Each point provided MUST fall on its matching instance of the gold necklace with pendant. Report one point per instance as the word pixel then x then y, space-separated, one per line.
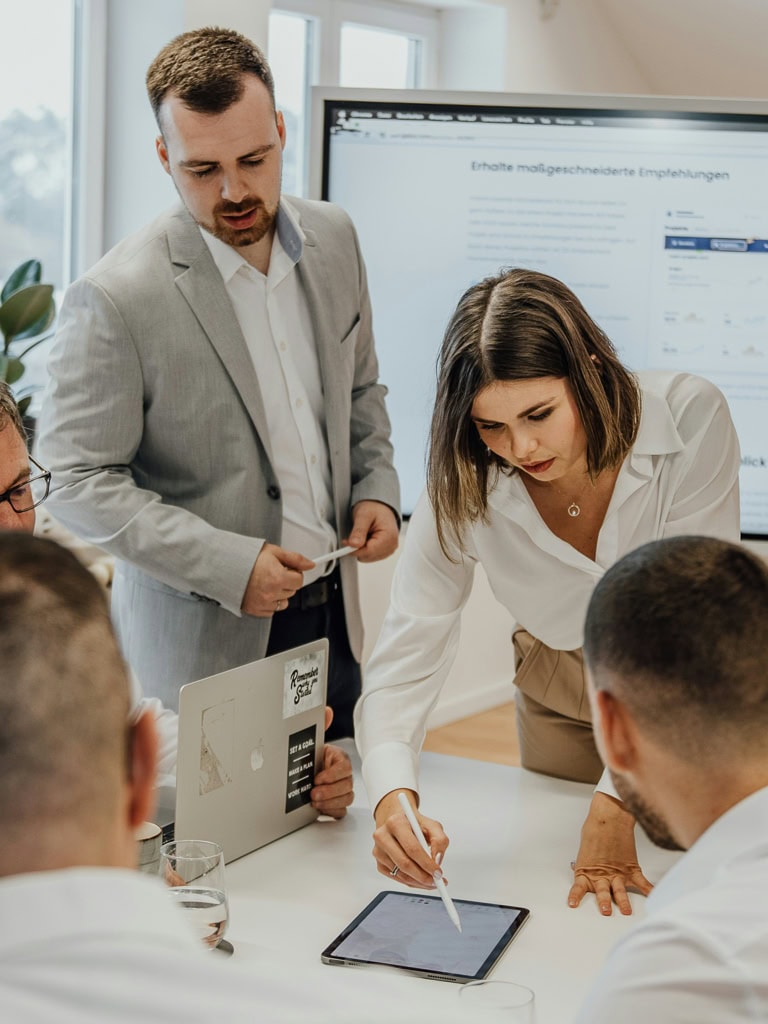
pixel 574 509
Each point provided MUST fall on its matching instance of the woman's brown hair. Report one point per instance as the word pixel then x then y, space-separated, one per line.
pixel 519 325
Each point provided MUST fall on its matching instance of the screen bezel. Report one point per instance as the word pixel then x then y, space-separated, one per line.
pixel 493 957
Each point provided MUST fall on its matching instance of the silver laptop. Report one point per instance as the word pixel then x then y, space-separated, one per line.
pixel 250 744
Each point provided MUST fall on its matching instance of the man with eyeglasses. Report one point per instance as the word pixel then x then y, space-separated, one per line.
pixel 23 481
pixel 25 485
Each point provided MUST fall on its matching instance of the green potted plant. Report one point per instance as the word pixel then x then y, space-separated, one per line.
pixel 27 310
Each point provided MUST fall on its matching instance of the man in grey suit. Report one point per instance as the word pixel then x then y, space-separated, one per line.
pixel 215 418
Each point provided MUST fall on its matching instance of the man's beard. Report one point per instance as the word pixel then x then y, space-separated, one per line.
pixel 651 823
pixel 240 237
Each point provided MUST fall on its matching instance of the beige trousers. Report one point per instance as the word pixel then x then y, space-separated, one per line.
pixel 554 723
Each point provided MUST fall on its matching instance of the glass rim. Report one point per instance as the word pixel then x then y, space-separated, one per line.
pixel 170 849
pixel 501 984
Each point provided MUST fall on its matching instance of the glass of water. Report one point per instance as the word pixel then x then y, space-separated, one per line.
pixel 194 871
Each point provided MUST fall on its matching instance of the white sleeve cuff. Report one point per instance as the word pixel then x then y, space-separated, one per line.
pixel 390 766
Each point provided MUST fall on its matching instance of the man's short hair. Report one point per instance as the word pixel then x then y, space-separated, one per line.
pixel 205 69
pixel 678 630
pixel 9 411
pixel 64 695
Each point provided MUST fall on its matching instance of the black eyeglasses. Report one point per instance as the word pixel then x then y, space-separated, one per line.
pixel 28 495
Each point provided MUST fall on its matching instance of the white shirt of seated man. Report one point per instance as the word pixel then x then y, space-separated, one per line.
pixel 679 698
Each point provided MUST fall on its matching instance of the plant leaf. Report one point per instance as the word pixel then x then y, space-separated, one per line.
pixel 25 274
pixel 23 404
pixel 14 370
pixel 24 308
pixel 4 360
pixel 38 326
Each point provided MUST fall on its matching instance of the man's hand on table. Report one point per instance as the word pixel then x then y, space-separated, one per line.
pixel 606 863
pixel 395 845
pixel 333 790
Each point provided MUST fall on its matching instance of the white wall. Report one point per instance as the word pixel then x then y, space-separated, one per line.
pixel 473 48
pixel 695 47
pixel 574 50
pixel 657 47
pixel 251 17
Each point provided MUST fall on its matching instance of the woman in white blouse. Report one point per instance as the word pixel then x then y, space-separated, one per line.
pixel 547 462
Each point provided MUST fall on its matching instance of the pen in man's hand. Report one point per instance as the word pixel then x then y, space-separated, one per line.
pixel 338 553
pixel 441 887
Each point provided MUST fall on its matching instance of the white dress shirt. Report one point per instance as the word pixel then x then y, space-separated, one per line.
pixel 167 726
pixel 272 312
pixel 106 946
pixel 681 477
pixel 701 954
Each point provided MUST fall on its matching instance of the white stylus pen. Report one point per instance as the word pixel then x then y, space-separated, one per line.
pixel 441 886
pixel 339 553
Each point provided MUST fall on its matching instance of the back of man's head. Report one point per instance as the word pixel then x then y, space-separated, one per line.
pixel 205 69
pixel 678 631
pixel 64 704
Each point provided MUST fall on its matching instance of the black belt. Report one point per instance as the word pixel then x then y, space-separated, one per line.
pixel 315 594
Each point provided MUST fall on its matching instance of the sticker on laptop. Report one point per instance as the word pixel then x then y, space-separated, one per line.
pixel 302 683
pixel 301 768
pixel 217 746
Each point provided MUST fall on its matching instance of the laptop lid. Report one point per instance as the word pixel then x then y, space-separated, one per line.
pixel 250 744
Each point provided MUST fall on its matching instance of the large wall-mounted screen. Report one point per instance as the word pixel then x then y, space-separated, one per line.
pixel 655 212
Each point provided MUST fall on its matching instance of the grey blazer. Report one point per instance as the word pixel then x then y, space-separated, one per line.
pixel 155 431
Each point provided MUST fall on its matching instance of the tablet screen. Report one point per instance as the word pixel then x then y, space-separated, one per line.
pixel 413 932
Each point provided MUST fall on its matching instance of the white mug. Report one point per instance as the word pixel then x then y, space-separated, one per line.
pixel 149 838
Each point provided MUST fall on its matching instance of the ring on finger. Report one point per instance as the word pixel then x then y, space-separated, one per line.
pixel 394 871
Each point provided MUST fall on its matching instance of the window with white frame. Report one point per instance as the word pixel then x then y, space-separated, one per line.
pixel 51 158
pixel 341 42
pixel 36 74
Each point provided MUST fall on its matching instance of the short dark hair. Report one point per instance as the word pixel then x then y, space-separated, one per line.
pixel 520 325
pixel 64 697
pixel 678 629
pixel 205 69
pixel 9 411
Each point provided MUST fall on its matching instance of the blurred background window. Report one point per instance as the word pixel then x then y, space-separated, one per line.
pixel 376 58
pixel 36 87
pixel 292 53
pixel 341 42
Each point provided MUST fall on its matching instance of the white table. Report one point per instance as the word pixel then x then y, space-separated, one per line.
pixel 513 836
